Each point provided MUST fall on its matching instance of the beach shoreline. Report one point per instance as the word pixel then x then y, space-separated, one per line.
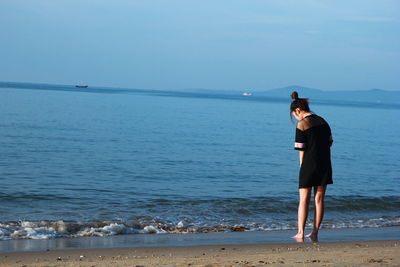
pixel 197 239
pixel 337 247
pixel 349 253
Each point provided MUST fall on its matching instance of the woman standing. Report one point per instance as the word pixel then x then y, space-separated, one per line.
pixel 313 140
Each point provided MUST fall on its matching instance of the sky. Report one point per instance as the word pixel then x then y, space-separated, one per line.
pixel 212 44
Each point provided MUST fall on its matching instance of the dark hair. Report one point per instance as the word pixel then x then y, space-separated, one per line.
pixel 301 103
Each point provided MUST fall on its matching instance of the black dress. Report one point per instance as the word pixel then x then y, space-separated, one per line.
pixel 313 136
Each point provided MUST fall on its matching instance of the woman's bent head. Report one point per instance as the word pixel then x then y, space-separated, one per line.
pixel 298 105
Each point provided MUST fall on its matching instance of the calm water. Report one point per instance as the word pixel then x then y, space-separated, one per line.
pixel 84 164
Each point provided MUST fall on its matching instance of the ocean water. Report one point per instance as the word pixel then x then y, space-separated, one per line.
pixel 78 163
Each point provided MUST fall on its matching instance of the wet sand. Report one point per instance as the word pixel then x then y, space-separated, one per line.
pixel 364 253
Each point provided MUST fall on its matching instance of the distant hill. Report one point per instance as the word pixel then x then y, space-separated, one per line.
pixel 286 91
pixel 374 96
pixel 377 97
pixel 370 96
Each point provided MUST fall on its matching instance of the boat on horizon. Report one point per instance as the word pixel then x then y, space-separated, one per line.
pixel 247 94
pixel 81 86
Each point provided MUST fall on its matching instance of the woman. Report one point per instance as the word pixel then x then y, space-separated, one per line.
pixel 313 140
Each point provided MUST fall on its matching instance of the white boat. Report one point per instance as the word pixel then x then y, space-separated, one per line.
pixel 247 94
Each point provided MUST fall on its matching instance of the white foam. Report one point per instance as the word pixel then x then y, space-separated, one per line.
pixel 182 224
pixel 28 224
pixel 35 233
pixel 61 226
pixel 55 229
pixel 117 229
pixel 112 229
pixel 4 232
pixel 150 229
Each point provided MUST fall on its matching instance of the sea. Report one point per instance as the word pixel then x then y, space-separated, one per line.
pixel 97 163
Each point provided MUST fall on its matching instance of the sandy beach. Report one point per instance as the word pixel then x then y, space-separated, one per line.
pixel 365 253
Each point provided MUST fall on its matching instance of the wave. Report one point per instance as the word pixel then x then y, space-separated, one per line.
pixel 70 229
pixel 363 203
pixel 277 204
pixel 188 215
pixel 27 197
pixel 280 204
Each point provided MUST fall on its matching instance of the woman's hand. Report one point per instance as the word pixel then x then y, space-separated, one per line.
pixel 301 156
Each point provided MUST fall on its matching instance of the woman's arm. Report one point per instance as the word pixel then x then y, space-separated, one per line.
pixel 301 156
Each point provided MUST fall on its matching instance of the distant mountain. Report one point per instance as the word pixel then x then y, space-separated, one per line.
pixel 373 96
pixel 370 96
pixel 285 92
pixel 376 97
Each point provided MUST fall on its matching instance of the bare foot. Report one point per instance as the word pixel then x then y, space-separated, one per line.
pixel 313 236
pixel 299 238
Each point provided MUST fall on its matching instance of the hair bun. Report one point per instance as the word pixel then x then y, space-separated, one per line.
pixel 294 95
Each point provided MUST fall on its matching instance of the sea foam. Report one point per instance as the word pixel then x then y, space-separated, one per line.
pixel 56 229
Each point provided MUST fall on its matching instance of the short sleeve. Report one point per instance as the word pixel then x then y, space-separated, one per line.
pixel 300 140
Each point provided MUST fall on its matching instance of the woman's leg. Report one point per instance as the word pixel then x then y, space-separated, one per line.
pixel 304 202
pixel 319 197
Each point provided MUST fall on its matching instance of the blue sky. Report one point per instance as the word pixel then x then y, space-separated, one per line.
pixel 219 44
